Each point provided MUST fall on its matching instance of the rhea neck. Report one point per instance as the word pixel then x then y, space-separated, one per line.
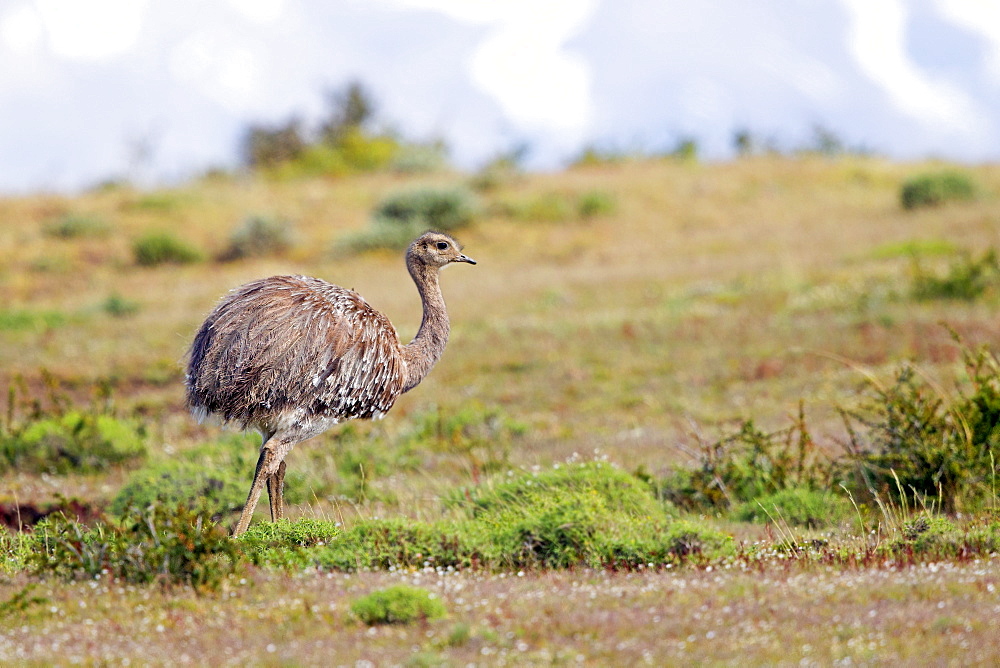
pixel 425 349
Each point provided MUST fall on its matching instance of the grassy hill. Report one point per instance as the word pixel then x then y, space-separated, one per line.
pixel 635 312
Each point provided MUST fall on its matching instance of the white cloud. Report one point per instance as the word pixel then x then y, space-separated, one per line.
pixel 876 41
pixel 218 66
pixel 979 17
pixel 92 30
pixel 21 30
pixel 523 63
pixel 260 11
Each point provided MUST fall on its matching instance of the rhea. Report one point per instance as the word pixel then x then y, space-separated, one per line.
pixel 291 356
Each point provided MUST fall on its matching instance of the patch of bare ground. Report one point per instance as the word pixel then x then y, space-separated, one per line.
pixel 930 614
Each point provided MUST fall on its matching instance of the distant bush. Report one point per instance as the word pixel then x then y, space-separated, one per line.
pixel 402 216
pixel 500 170
pixel 967 279
pixel 440 209
pixel 269 146
pixel 596 156
pixel 398 604
pixel 595 203
pixel 935 189
pixel 171 546
pixel 75 441
pixel 686 149
pixel 74 226
pixel 258 236
pixel 19 320
pixel 554 207
pixel 119 307
pixel 163 248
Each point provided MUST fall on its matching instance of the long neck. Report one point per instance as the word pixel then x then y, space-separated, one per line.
pixel 425 349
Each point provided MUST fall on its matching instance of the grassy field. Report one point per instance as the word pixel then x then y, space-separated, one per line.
pixel 697 296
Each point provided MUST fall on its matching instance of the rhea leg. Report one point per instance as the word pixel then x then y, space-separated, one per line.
pixel 267 464
pixel 276 492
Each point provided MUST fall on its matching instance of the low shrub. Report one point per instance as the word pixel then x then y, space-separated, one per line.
pixel 590 514
pixel 354 151
pixel 163 248
pixel 381 544
pixel 192 484
pixel 20 320
pixel 919 442
pixel 258 236
pixel 798 507
pixel 119 307
pixel 171 546
pixel 75 226
pixel 937 188
pixel 398 604
pixel 748 465
pixel 79 442
pixel 304 532
pixel 967 279
pixel 440 209
pixel 286 544
pixel 577 515
pixel 400 217
pixel 214 478
pixel 622 491
pixel 595 203
pixel 928 535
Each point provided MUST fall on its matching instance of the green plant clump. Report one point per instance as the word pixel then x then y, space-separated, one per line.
pixel 588 514
pixel 163 248
pixel 799 507
pixel 214 478
pixel 399 604
pixel 181 482
pixel 919 442
pixel 75 226
pixel 175 546
pixel 258 236
pixel 119 307
pixel 401 217
pixel 72 442
pixel 934 189
pixel 967 279
pixel 748 465
pixel 440 209
pixel 595 203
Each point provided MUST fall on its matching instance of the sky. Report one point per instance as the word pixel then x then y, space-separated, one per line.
pixel 160 91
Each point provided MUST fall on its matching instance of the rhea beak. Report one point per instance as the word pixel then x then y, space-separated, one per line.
pixel 465 258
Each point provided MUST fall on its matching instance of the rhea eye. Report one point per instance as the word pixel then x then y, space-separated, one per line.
pixel 442 245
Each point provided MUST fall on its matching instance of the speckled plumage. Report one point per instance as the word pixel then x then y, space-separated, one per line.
pixel 291 356
pixel 294 352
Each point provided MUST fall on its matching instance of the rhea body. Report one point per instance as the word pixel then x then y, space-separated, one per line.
pixel 291 356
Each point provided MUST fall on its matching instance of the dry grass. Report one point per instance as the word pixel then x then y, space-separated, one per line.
pixel 710 293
